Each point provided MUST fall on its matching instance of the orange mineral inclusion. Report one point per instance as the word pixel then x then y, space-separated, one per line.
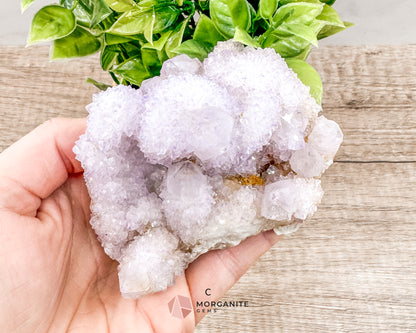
pixel 250 180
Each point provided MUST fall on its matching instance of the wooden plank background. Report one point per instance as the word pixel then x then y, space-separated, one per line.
pixel 352 268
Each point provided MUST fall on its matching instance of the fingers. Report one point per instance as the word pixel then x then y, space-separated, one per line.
pixel 160 311
pixel 40 162
pixel 219 270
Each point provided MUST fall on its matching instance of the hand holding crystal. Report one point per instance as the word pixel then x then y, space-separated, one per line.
pixel 55 276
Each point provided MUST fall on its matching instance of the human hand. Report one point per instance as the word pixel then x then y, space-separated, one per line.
pixel 55 276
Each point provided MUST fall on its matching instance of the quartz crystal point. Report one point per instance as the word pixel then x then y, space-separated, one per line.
pixel 200 158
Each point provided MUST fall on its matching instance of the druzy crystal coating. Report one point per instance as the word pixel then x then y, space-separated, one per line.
pixel 201 157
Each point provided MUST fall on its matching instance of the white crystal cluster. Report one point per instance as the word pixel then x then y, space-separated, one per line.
pixel 200 158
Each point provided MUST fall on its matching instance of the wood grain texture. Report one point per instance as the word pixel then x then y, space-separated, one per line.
pixel 371 91
pixel 352 268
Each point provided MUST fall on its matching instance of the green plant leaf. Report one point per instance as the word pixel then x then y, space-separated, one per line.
pixel 206 31
pixel 139 35
pixel 69 4
pixel 300 30
pixel 137 21
pixel 24 4
pixel 151 61
pixel 309 77
pixel 148 29
pixel 269 36
pixel 267 8
pixel 302 12
pixel 328 2
pixel 130 50
pixel 175 39
pixel 330 30
pixel 50 23
pixel 290 47
pixel 160 43
pixel 133 71
pixel 79 43
pixel 100 85
pixel 330 16
pixel 243 36
pixel 194 49
pixel 121 6
pixel 132 22
pixel 83 16
pixel 162 56
pixel 165 17
pixel 285 2
pixel 304 54
pixel 294 30
pixel 109 56
pixel 111 39
pixel 100 12
pixel 229 14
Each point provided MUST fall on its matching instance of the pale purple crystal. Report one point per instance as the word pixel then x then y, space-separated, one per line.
pixel 199 158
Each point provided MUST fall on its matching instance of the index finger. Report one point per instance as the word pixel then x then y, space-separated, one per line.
pixel 40 162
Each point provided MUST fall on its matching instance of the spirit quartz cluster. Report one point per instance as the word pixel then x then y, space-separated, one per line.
pixel 200 158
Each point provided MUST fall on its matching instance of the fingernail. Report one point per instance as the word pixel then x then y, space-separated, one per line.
pixel 287 229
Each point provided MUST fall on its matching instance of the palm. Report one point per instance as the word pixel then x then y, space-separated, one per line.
pixel 76 283
pixel 55 275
